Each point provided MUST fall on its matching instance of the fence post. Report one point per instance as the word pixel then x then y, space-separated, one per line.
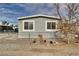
pixel 29 40
pixel 17 35
pixel 29 36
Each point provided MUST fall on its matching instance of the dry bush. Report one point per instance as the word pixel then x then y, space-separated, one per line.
pixel 68 32
pixel 40 37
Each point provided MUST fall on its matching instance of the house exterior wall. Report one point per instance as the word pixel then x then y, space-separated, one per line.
pixel 40 28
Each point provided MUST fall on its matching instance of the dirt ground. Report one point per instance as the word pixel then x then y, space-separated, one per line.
pixel 10 45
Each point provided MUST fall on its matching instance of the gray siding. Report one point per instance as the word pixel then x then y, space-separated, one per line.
pixel 39 29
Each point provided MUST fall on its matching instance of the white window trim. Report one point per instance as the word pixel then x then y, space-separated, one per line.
pixel 51 29
pixel 29 21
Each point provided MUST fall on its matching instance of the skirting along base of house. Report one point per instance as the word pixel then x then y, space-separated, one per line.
pixel 48 35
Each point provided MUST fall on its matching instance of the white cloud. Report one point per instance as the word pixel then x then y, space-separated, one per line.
pixel 32 8
pixel 6 10
pixel 38 8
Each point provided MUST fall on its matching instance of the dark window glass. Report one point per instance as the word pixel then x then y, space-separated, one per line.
pixel 51 25
pixel 25 25
pixel 28 25
pixel 48 25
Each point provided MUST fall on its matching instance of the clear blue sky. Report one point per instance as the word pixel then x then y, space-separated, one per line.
pixel 11 11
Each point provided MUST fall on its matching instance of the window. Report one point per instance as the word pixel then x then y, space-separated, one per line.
pixel 50 25
pixel 28 25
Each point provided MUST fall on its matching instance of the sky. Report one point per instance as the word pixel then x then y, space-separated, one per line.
pixel 12 11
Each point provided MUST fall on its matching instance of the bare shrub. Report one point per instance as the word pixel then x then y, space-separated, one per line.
pixel 40 37
pixel 44 41
pixel 51 42
pixel 68 29
pixel 68 32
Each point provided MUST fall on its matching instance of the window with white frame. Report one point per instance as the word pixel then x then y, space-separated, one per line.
pixel 51 25
pixel 28 25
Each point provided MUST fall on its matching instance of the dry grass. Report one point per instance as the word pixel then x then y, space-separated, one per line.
pixel 10 45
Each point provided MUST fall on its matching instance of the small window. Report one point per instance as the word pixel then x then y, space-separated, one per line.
pixel 28 25
pixel 51 25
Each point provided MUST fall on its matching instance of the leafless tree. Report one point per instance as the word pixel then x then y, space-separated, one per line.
pixel 72 10
pixel 72 13
pixel 57 8
pixel 5 23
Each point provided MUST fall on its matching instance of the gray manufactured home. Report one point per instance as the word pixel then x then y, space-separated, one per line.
pixel 32 26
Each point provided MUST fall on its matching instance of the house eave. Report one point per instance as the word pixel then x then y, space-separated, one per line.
pixel 37 16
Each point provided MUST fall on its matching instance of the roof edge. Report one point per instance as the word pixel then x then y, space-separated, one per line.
pixel 39 15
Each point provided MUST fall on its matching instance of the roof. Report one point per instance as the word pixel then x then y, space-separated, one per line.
pixel 5 25
pixel 37 16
